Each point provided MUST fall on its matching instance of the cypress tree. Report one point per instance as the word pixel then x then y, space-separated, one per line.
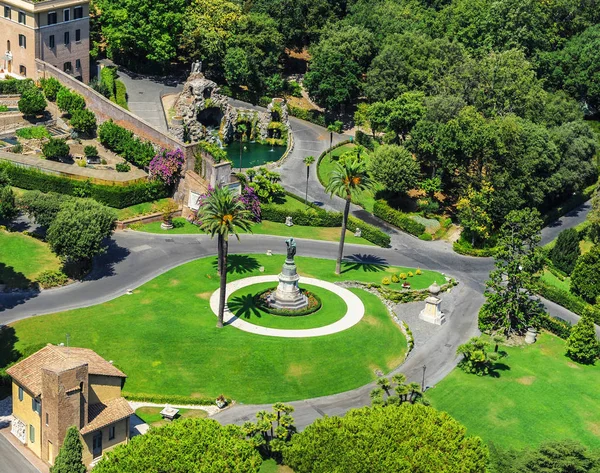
pixel 582 344
pixel 566 251
pixel 68 459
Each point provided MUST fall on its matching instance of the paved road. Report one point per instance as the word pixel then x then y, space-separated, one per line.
pixel 11 460
pixel 569 220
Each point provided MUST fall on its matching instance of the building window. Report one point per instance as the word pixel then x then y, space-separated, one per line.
pixel 46 418
pixel 67 67
pixel 51 42
pixel 52 20
pixel 36 405
pixel 66 14
pixel 77 35
pixel 77 13
pixel 20 393
pixel 23 70
pixel 22 41
pixel 31 434
pixel 7 12
pixel 77 64
pixel 67 38
pixel 111 432
pixel 21 17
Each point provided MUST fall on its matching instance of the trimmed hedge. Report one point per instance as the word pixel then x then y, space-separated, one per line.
pixel 558 327
pixel 567 300
pixel 313 116
pixel 15 86
pixel 465 250
pixel 172 399
pixel 369 232
pixel 124 143
pixel 382 210
pixel 113 196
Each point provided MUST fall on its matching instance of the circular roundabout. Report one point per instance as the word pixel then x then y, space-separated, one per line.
pixel 236 308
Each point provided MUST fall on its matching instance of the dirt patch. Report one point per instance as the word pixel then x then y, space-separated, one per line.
pixel 593 427
pixel 197 395
pixel 526 380
pixel 295 370
pixel 146 301
pixel 573 365
pixel 204 295
pixel 173 282
pixel 372 321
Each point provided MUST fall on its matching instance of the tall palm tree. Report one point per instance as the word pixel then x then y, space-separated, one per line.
pixel 222 214
pixel 308 161
pixel 349 177
pixel 241 129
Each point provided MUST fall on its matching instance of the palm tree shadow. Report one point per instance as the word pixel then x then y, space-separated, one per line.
pixel 243 307
pixel 239 264
pixel 496 368
pixel 365 263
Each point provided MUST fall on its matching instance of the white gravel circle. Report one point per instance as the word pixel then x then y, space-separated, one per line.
pixel 355 312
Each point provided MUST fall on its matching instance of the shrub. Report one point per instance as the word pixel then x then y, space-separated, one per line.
pixel 566 299
pixel 51 87
pixel 81 163
pixel 90 151
pixel 385 281
pixel 582 344
pixel 69 102
pixel 114 196
pixel 364 140
pixel 33 133
pixel 410 274
pixel 382 210
pixel 425 237
pixel 32 102
pixel 585 280
pixel 558 327
pixel 122 167
pixel 167 165
pixel 15 86
pixel 403 276
pixel 55 149
pixel 395 279
pixel 369 232
pixel 3 108
pixel 266 189
pixel 108 76
pixel 476 358
pixel 83 121
pixel 8 206
pixel 463 247
pixel 121 141
pixel 313 116
pixel 219 155
pixel 418 272
pixel 565 252
pixel 121 94
pixel 52 278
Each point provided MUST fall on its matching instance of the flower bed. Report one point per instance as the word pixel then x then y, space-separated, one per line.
pixel 261 300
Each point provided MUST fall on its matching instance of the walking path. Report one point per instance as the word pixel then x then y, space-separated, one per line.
pixel 354 314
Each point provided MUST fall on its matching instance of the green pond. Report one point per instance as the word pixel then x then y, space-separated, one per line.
pixel 253 154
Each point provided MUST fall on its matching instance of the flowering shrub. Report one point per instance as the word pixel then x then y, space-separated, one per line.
pixel 167 165
pixel 248 197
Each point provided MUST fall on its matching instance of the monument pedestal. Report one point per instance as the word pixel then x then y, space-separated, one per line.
pixel 432 312
pixel 288 295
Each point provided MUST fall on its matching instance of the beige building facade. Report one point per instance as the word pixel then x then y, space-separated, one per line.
pixel 55 31
pixel 59 387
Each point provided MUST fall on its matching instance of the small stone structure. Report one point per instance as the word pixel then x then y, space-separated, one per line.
pixel 432 312
pixel 531 336
pixel 288 295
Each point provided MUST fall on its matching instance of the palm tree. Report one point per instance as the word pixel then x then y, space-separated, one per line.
pixel 384 384
pixel 331 128
pixel 241 128
pixel 349 177
pixel 221 214
pixel 308 161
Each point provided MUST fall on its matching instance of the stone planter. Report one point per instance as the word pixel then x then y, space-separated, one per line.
pixel 166 225
pixel 531 336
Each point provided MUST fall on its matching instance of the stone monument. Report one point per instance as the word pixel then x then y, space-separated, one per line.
pixel 288 295
pixel 432 312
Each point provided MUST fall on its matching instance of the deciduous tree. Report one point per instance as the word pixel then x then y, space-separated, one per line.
pixel 585 279
pixel 395 168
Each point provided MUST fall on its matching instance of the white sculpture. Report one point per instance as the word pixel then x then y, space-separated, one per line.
pixel 432 312
pixel 288 221
pixel 358 233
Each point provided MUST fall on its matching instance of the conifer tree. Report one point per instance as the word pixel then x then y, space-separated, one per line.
pixel 583 345
pixel 69 459
pixel 566 251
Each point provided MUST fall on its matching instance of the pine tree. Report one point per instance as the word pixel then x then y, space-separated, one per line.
pixel 566 251
pixel 582 344
pixel 68 459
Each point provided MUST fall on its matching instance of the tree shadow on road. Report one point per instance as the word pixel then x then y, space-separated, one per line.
pixel 104 265
pixel 365 263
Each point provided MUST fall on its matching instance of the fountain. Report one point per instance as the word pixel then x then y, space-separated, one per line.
pixel 288 295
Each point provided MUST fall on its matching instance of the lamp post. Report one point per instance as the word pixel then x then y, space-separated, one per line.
pixel 423 381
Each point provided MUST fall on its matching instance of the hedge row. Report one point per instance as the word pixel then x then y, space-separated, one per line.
pixel 326 153
pixel 114 196
pixel 14 86
pixel 382 210
pixel 558 327
pixel 313 116
pixel 463 249
pixel 124 143
pixel 567 300
pixel 172 399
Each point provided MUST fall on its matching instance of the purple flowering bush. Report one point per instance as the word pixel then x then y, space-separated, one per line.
pixel 167 165
pixel 248 197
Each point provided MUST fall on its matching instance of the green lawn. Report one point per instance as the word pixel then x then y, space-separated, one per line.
pixel 182 226
pixel 241 303
pixel 541 395
pixel 151 415
pixel 552 280
pixel 164 337
pixel 23 258
pixel 144 208
pixel 327 165
pixel 271 466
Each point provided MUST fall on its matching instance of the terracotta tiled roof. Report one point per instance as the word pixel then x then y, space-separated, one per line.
pixel 101 415
pixel 28 372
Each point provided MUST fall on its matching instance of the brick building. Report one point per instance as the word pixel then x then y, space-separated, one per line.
pixel 55 31
pixel 58 387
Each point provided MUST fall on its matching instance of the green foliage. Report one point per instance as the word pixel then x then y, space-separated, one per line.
pixel 382 210
pixel 33 133
pixel 395 168
pixel 52 278
pixel 381 439
pixel 79 229
pixel 56 148
pixel 476 357
pixel 122 167
pixel 69 458
pixel 69 102
pixel 108 76
pixel 8 206
pixel 398 115
pixel 90 151
pixel 114 196
pixel 121 94
pixel 121 141
pixel 32 102
pixel 566 299
pixel 463 247
pixel 560 328
pixel 565 252
pixel 266 189
pixel 509 307
pixel 15 86
pixel 313 116
pixel 582 344
pixel 585 280
pixel 51 87
pixel 272 430
pixel 199 445
pixel 83 121
pixel 219 155
pixel 42 208
pixel 473 213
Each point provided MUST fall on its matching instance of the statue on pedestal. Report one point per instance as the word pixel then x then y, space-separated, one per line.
pixel 291 248
pixel 288 294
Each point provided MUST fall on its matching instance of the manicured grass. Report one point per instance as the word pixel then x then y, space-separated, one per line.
pixel 23 258
pixel 151 415
pixel 144 208
pixel 241 303
pixel 271 466
pixel 541 395
pixel 552 280
pixel 164 338
pixel 182 226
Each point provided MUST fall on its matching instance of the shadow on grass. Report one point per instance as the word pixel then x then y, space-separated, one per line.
pixel 244 307
pixel 13 279
pixel 365 263
pixel 497 368
pixel 239 264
